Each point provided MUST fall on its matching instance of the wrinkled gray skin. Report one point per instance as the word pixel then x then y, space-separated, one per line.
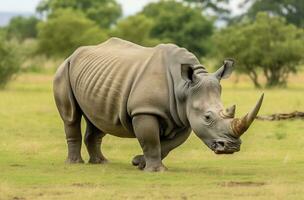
pixel 159 105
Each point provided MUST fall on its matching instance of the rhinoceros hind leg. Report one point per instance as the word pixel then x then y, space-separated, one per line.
pixel 160 168
pixel 69 111
pixel 93 139
pixel 73 135
pixel 139 161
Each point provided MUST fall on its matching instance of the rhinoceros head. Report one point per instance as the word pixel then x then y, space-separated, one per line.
pixel 211 122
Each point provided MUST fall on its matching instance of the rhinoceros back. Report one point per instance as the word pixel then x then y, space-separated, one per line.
pixel 102 78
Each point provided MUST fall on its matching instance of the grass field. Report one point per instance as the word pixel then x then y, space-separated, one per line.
pixel 270 164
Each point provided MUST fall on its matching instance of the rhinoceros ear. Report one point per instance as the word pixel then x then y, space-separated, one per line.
pixel 187 72
pixel 226 70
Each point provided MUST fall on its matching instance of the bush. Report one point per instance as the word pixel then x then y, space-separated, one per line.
pixel 40 64
pixel 9 64
pixel 65 30
pixel 22 27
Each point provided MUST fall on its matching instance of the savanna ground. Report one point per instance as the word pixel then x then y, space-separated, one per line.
pixel 270 164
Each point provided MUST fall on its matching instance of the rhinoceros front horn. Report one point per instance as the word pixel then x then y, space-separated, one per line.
pixel 239 126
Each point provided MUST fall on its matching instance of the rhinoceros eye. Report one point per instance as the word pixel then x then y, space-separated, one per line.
pixel 208 118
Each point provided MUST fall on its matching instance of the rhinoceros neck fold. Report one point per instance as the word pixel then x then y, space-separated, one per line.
pixel 176 109
pixel 176 57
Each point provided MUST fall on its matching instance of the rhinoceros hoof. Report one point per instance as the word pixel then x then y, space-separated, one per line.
pixel 160 168
pixel 74 160
pixel 139 161
pixel 98 160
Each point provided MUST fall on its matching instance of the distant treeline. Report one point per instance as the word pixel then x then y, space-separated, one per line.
pixel 267 40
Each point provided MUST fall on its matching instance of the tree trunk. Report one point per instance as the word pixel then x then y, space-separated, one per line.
pixel 254 78
pixel 275 77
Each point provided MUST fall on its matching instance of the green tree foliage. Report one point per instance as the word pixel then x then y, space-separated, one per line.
pixel 267 45
pixel 103 12
pixel 180 24
pixel 136 29
pixel 65 30
pixel 9 64
pixel 215 6
pixel 22 27
pixel 291 10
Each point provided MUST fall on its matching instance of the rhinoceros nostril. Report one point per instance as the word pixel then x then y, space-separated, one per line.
pixel 220 144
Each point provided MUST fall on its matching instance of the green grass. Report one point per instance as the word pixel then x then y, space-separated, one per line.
pixel 32 152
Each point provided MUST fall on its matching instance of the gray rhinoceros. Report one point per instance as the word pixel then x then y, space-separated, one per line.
pixel 157 95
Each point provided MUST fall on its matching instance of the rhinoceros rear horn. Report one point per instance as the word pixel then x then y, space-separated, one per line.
pixel 240 126
pixel 229 112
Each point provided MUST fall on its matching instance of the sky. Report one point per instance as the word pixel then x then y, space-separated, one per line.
pixel 17 6
pixel 129 6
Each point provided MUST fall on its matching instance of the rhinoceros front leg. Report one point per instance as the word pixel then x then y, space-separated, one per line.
pixel 167 145
pixel 146 128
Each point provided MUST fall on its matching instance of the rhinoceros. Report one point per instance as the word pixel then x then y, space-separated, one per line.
pixel 157 95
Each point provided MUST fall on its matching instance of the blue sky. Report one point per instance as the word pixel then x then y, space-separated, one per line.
pixel 129 6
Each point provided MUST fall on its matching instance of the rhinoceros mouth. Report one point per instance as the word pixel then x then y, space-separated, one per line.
pixel 225 147
pixel 225 151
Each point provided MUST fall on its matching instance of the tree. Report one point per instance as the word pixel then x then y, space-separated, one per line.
pixel 291 10
pixel 103 12
pixel 9 64
pixel 267 45
pixel 136 29
pixel 65 30
pixel 180 24
pixel 216 6
pixel 22 27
